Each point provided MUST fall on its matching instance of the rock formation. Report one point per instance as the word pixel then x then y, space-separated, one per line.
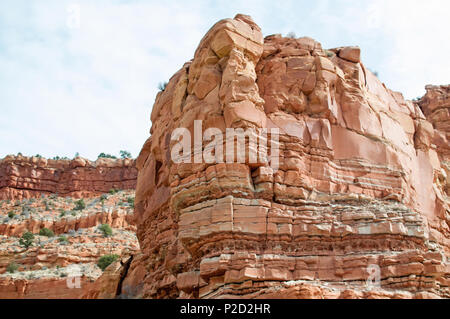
pixel 63 265
pixel 27 177
pixel 361 187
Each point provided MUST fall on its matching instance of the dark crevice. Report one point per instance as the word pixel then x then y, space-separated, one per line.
pixel 123 275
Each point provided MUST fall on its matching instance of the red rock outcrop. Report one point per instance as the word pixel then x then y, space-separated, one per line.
pixel 45 269
pixel 28 177
pixel 358 183
pixel 436 107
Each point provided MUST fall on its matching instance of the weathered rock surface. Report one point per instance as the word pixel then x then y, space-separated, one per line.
pixel 436 107
pixel 361 180
pixel 64 265
pixel 28 177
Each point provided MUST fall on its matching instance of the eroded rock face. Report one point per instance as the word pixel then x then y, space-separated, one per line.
pixel 358 184
pixel 64 264
pixel 30 177
pixel 436 106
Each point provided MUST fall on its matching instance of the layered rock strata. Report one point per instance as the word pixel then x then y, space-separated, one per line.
pixel 359 184
pixel 436 107
pixel 64 265
pixel 30 177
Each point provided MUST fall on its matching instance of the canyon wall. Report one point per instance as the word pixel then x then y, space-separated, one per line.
pixel 361 188
pixel 30 177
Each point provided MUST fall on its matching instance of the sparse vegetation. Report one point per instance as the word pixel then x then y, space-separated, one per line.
pixel 125 154
pixel 63 239
pixel 12 267
pixel 105 229
pixel 113 191
pixel 11 214
pixel 26 240
pixel 46 232
pixel 291 35
pixel 329 53
pixel 106 260
pixel 162 86
pixel 103 155
pixel 80 204
pixel 130 201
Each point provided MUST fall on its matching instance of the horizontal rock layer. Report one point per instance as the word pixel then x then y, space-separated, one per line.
pixel 65 265
pixel 30 177
pixel 361 181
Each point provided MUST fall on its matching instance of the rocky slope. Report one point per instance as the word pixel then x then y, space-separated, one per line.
pixel 64 265
pixel 29 177
pixel 361 182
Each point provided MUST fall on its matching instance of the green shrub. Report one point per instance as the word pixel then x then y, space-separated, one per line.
pixel 162 86
pixel 125 154
pixel 63 239
pixel 291 35
pixel 46 232
pixel 329 53
pixel 62 213
pixel 11 214
pixel 106 260
pixel 12 267
pixel 103 155
pixel 113 191
pixel 27 239
pixel 105 229
pixel 130 201
pixel 80 204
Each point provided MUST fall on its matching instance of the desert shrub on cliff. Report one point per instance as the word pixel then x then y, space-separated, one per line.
pixel 80 204
pixel 125 154
pixel 26 240
pixel 11 214
pixel 113 191
pixel 12 267
pixel 162 86
pixel 63 239
pixel 329 53
pixel 103 155
pixel 46 232
pixel 105 229
pixel 291 35
pixel 106 260
pixel 130 201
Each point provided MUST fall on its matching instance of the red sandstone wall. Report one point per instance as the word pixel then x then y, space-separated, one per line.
pixel 26 177
pixel 358 184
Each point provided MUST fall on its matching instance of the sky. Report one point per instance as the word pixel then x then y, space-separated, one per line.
pixel 82 76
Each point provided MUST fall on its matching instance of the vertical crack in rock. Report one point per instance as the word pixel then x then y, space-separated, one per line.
pixel 123 275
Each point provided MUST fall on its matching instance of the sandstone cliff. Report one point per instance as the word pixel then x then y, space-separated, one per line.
pixel 27 177
pixel 361 182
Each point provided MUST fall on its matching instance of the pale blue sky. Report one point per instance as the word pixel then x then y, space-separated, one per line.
pixel 91 89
